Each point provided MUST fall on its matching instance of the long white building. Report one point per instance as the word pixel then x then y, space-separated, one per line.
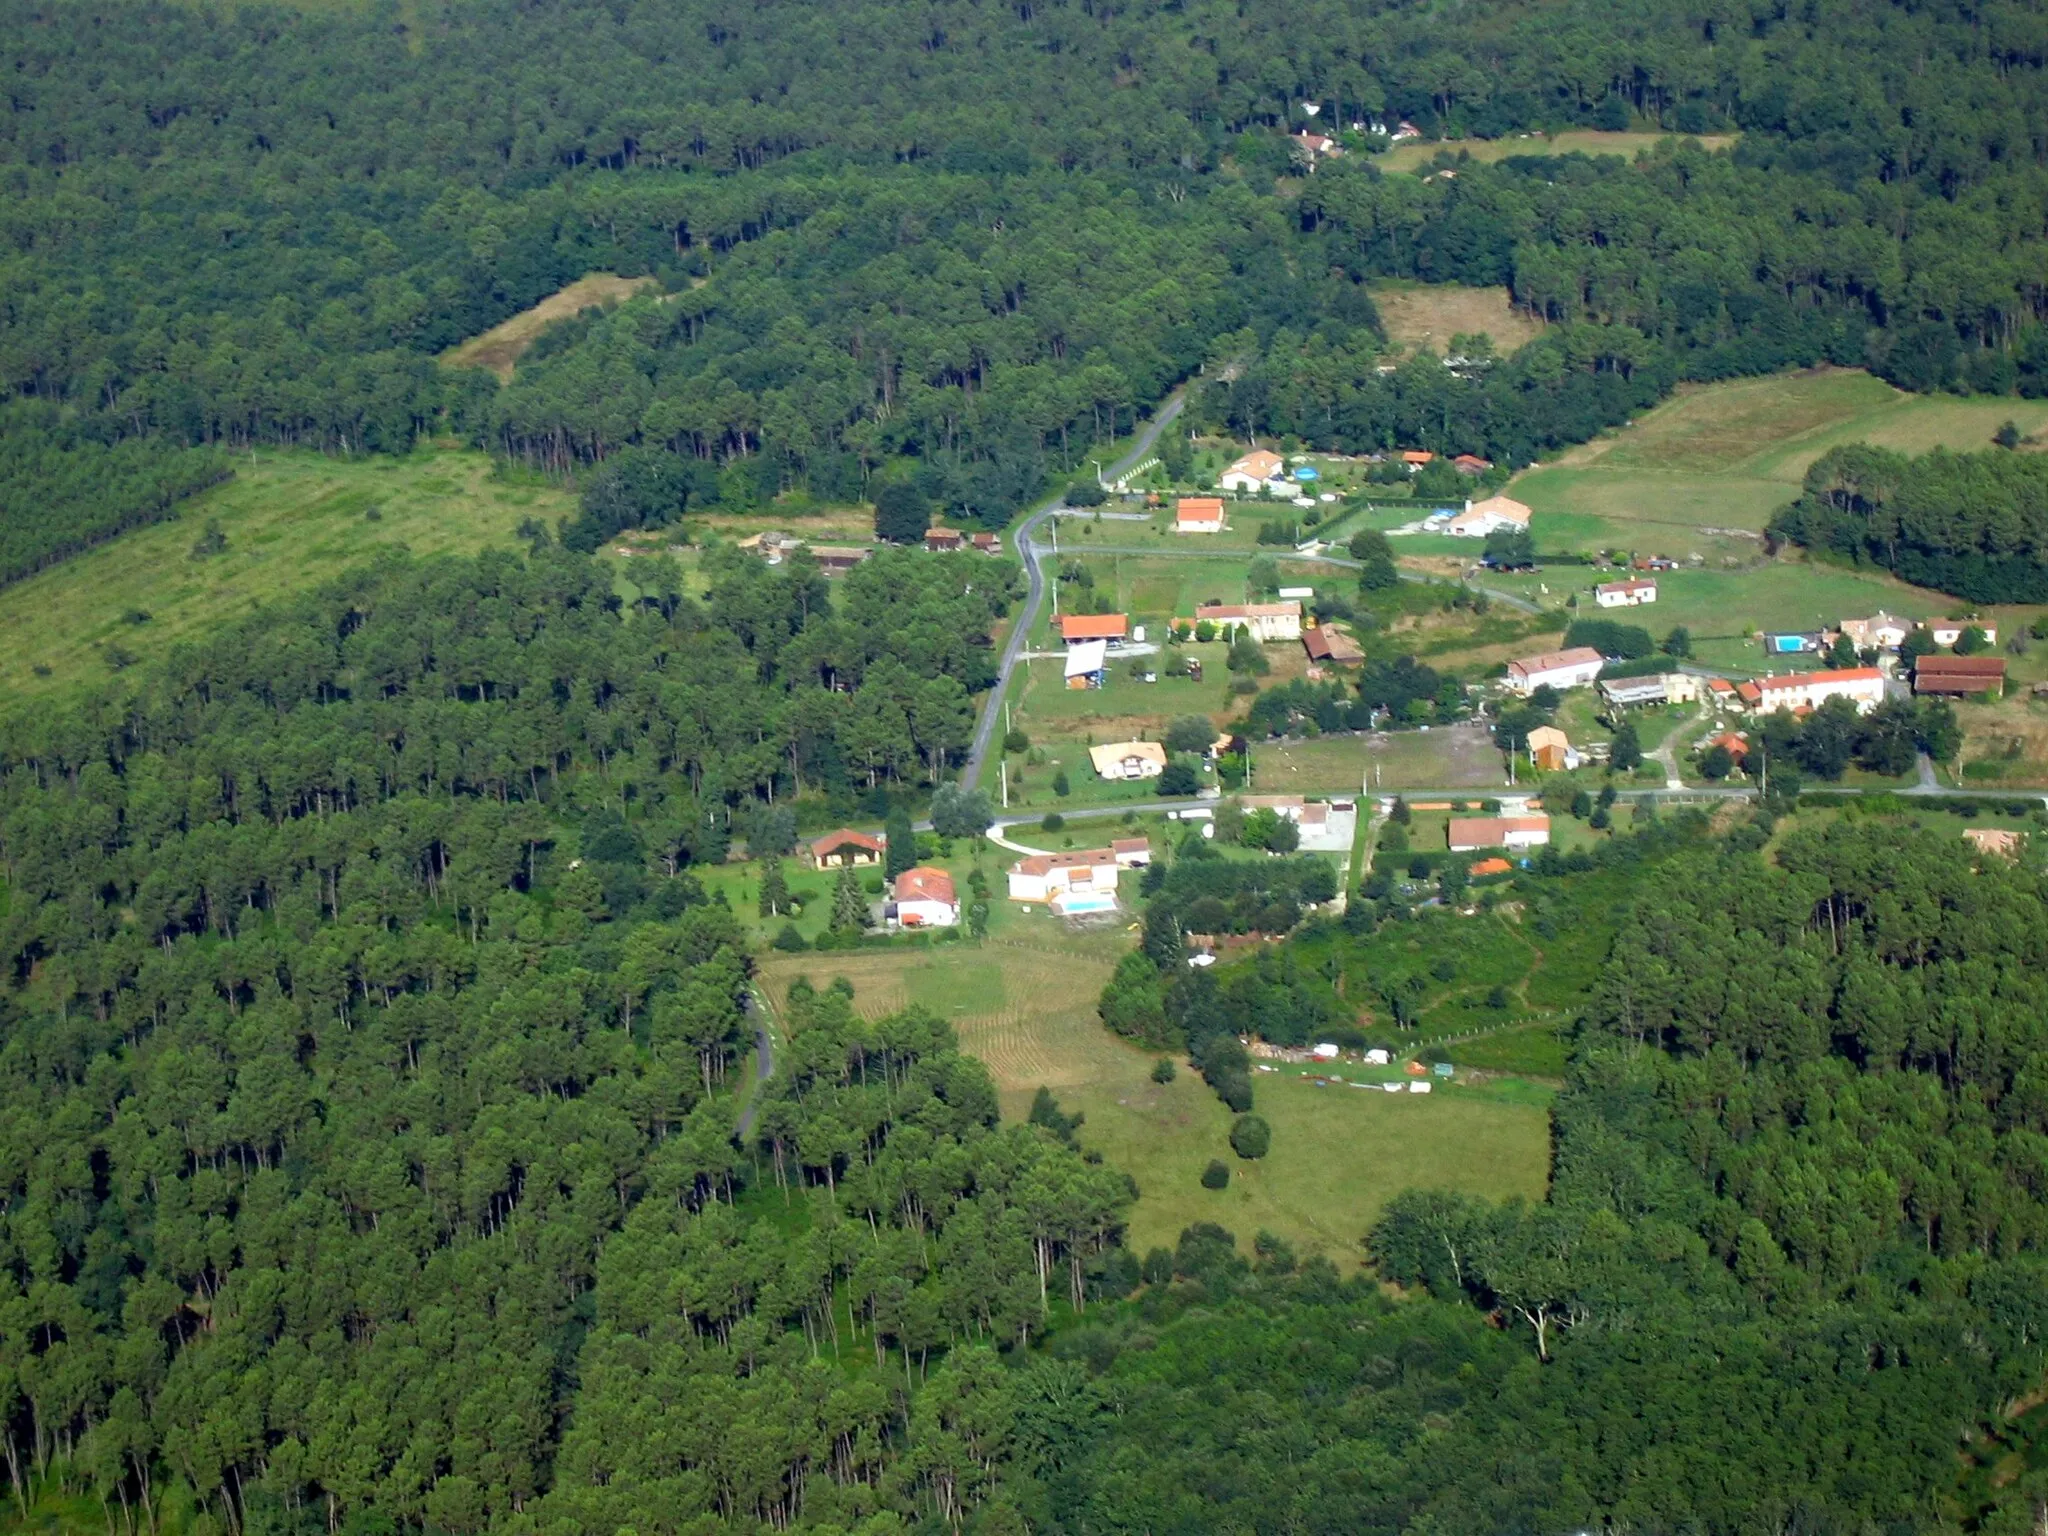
pixel 1863 686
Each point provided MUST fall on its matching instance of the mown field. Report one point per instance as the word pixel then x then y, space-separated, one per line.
pixel 1338 1155
pixel 292 521
pixel 1727 456
pixel 1425 316
pixel 500 348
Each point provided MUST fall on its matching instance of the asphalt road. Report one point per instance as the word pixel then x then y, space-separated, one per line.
pixel 1034 597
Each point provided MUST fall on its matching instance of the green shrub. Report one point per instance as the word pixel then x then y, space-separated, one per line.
pixel 1216 1175
pixel 1251 1137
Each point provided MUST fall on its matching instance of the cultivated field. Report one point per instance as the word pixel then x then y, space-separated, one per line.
pixel 1338 1155
pixel 1417 154
pixel 293 521
pixel 1425 316
pixel 499 348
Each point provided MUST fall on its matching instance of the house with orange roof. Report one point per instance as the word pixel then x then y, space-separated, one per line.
pixel 846 846
pixel 1198 514
pixel 923 897
pixel 1111 628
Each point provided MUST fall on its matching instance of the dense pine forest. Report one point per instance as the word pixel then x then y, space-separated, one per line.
pixel 943 243
pixel 373 1163
pixel 380 1144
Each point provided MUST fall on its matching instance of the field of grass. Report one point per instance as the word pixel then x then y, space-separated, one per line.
pixel 292 520
pixel 1027 1009
pixel 1417 154
pixel 500 348
pixel 1425 316
pixel 1727 456
pixel 1460 757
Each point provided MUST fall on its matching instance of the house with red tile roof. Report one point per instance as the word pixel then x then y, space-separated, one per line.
pixel 846 846
pixel 923 897
pixel 1077 627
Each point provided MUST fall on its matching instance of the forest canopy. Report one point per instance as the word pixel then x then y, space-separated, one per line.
pixel 943 245
pixel 1975 524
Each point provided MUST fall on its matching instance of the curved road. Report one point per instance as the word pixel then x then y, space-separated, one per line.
pixel 1034 575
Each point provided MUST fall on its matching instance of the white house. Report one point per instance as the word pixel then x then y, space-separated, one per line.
pixel 1250 473
pixel 1131 852
pixel 923 898
pixel 1468 834
pixel 1632 593
pixel 1042 876
pixel 1266 621
pixel 1574 668
pixel 1198 514
pixel 1949 631
pixel 1863 686
pixel 1129 760
pixel 1482 517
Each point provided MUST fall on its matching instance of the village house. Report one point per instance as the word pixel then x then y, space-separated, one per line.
pixel 1198 514
pixel 1555 669
pixel 1415 458
pixel 1633 593
pixel 1949 631
pixel 1129 759
pixel 1252 471
pixel 1044 876
pixel 1862 686
pixel 987 543
pixel 1333 646
pixel 1087 664
pixel 1551 750
pixel 1486 867
pixel 1469 834
pixel 1315 146
pixel 1959 676
pixel 837 559
pixel 1131 852
pixel 770 544
pixel 1659 688
pixel 1735 743
pixel 846 846
pixel 1266 621
pixel 1720 692
pixel 923 898
pixel 2003 841
pixel 1879 632
pixel 1079 628
pixel 1471 464
pixel 943 540
pixel 1482 517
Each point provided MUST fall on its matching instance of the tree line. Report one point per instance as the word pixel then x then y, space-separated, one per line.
pixel 1975 524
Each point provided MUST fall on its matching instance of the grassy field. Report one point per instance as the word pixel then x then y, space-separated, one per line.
pixel 1425 316
pixel 499 348
pixel 1459 757
pixel 1027 1009
pixel 1577 141
pixel 1727 456
pixel 292 521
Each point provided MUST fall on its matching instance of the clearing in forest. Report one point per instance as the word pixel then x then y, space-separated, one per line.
pixel 293 520
pixel 501 347
pixel 1027 1009
pixel 1425 316
pixel 1417 154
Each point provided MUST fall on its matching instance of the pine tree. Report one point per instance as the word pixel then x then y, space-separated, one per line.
pixel 849 905
pixel 774 888
pixel 901 853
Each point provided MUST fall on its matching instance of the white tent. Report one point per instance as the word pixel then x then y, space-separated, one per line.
pixel 1087 657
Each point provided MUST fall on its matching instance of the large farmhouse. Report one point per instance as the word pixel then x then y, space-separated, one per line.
pixel 1554 669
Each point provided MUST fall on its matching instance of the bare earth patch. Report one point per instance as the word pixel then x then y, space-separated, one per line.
pixel 1578 141
pixel 501 347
